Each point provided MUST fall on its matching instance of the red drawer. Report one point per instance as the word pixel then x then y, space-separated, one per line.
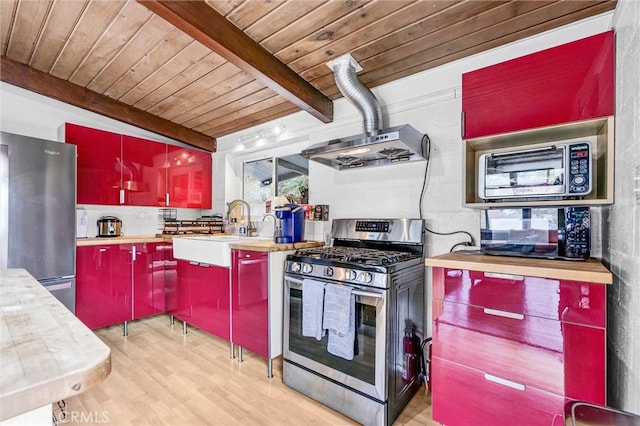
pixel 466 396
pixel 573 301
pixel 548 354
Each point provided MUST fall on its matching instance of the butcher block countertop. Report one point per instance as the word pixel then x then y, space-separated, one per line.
pixel 47 353
pixel 258 245
pixel 590 270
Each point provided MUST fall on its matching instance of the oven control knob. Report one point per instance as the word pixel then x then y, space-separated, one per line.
pixel 306 268
pixel 328 271
pixel 366 277
pixel 350 275
pixel 295 267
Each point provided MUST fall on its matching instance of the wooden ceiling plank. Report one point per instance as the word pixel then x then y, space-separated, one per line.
pixel 236 117
pixel 146 38
pixel 28 22
pixel 318 18
pixel 234 88
pixel 224 7
pixel 36 81
pixel 181 62
pixel 249 12
pixel 210 28
pixel 233 100
pixel 8 10
pixel 280 18
pixel 163 93
pixel 112 41
pixel 447 16
pixel 61 21
pixel 182 99
pixel 309 64
pixel 95 19
pixel 265 116
pixel 163 52
pixel 368 14
pixel 532 18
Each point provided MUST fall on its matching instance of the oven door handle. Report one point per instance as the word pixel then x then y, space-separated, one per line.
pixel 354 292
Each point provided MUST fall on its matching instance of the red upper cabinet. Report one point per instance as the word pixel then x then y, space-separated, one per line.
pixel 563 84
pixel 117 169
pixel 188 178
pixel 143 171
pixel 99 155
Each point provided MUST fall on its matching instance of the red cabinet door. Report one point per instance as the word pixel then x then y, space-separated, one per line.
pixel 250 300
pixel 103 285
pixel 143 171
pixel 188 177
pixel 148 280
pixel 566 83
pixel 210 293
pixel 99 158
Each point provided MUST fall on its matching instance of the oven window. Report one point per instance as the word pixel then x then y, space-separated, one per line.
pixel 362 366
pixel 535 169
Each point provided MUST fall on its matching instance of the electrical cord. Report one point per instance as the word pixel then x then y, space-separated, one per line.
pixel 426 153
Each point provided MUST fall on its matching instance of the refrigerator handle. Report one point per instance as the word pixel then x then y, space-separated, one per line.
pixel 4 206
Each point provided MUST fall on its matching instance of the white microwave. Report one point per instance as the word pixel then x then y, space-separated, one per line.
pixel 554 171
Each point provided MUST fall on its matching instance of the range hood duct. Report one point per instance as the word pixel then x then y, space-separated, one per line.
pixel 377 146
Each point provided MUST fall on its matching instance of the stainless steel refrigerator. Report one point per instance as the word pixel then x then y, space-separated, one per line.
pixel 38 211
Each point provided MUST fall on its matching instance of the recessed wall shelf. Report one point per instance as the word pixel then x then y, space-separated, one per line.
pixel 600 132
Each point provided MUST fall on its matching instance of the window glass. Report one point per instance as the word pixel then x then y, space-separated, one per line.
pixel 292 178
pixel 257 183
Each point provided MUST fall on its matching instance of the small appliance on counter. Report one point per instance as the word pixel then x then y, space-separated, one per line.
pixel 551 233
pixel 291 229
pixel 109 226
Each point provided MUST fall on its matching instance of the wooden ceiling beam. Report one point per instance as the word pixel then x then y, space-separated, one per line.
pixel 213 30
pixel 28 78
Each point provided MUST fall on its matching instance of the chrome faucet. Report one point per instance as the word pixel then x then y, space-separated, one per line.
pixel 277 230
pixel 250 230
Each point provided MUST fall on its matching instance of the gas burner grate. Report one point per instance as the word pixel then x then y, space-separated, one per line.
pixel 356 255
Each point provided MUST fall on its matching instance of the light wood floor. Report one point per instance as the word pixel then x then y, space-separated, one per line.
pixel 161 377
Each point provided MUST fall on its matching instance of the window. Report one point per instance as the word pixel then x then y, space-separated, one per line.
pixel 291 175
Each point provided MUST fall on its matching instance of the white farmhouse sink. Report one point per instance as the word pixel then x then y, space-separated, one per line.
pixel 211 249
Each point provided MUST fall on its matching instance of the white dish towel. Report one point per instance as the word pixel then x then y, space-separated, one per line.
pixel 339 320
pixel 312 306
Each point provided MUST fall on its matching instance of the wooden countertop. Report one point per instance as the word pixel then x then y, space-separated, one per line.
pixel 261 245
pixel 270 246
pixel 47 353
pixel 590 270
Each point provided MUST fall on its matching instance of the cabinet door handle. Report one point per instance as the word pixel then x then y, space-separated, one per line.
pixel 462 117
pixel 504 276
pixel 122 196
pixel 133 253
pixel 166 198
pixel 504 314
pixel 504 382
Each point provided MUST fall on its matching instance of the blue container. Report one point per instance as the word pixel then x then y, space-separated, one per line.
pixel 291 222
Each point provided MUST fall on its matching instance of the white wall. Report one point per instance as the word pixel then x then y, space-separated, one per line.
pixel 621 251
pixel 28 113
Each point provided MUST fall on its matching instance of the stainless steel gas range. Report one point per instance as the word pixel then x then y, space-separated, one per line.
pixel 370 372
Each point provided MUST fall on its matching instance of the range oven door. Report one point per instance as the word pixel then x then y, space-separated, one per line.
pixel 366 371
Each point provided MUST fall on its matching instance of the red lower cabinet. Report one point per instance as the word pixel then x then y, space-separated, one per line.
pixel 103 285
pixel 203 297
pixel 118 282
pixel 250 290
pixel 512 349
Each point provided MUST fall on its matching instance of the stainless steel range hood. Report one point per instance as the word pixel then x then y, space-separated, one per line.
pixel 376 146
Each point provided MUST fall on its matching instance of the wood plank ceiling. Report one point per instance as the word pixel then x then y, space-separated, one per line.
pixel 157 65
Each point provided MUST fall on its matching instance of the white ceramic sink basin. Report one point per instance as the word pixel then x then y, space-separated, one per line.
pixel 210 249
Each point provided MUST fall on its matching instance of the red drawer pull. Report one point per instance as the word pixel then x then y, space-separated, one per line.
pixel 504 314
pixel 504 382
